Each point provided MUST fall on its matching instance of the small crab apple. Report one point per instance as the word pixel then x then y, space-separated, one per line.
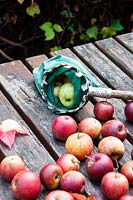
pixel 10 166
pixel 97 165
pixel 114 127
pixel 103 110
pixel 79 144
pixel 90 126
pixel 50 175
pixel 63 126
pixel 26 184
pixel 129 111
pixel 68 162
pixel 127 170
pixel 73 181
pixel 112 146
pixel 114 185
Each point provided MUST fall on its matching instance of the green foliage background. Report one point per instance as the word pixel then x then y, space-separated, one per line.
pixel 33 27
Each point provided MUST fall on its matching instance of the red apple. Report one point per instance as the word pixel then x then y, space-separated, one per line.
pixel 91 126
pixel 114 185
pixel 126 197
pixel 10 166
pixel 129 111
pixel 63 126
pixel 79 144
pixel 73 181
pixel 68 162
pixel 97 165
pixel 115 128
pixel 94 197
pixel 103 110
pixel 26 185
pixel 50 175
pixel 127 170
pixel 112 146
pixel 60 195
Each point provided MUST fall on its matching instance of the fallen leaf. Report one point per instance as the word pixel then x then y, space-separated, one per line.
pixel 7 137
pixel 77 196
pixel 8 129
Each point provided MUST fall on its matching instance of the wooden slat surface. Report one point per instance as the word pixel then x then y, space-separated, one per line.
pixel 119 55
pixel 35 61
pixel 126 40
pixel 35 112
pixel 103 67
pixel 16 82
pixel 27 147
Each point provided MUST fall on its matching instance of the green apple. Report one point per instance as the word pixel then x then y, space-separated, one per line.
pixel 66 94
pixel 56 90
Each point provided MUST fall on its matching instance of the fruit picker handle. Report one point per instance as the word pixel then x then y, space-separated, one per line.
pixel 109 93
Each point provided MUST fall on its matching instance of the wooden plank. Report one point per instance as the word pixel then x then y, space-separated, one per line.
pixel 35 61
pixel 126 40
pixel 118 54
pixel 27 147
pixel 103 67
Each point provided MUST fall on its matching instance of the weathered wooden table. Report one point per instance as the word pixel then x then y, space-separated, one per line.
pixel 110 61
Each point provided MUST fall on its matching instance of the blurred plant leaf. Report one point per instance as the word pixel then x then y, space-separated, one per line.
pixel 92 32
pixel 107 32
pixel 93 21
pixel 115 24
pixel 71 27
pixel 84 37
pixel 50 29
pixel 72 40
pixel 49 34
pixel 57 28
pixel 56 48
pixel 33 9
pixel 46 26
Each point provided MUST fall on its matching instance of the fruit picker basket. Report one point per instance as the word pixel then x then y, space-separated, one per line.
pixel 66 85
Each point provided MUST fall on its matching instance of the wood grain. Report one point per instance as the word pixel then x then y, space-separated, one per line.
pixel 126 40
pixel 118 54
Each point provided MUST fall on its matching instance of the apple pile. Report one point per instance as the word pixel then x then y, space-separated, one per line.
pixel 101 166
pixel 64 90
pixel 63 179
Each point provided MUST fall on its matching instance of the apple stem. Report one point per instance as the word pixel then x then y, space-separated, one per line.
pixel 117 165
pixel 78 135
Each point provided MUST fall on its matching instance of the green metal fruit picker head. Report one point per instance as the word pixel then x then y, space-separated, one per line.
pixel 66 85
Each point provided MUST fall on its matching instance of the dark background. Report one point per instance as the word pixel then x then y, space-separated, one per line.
pixel 21 37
